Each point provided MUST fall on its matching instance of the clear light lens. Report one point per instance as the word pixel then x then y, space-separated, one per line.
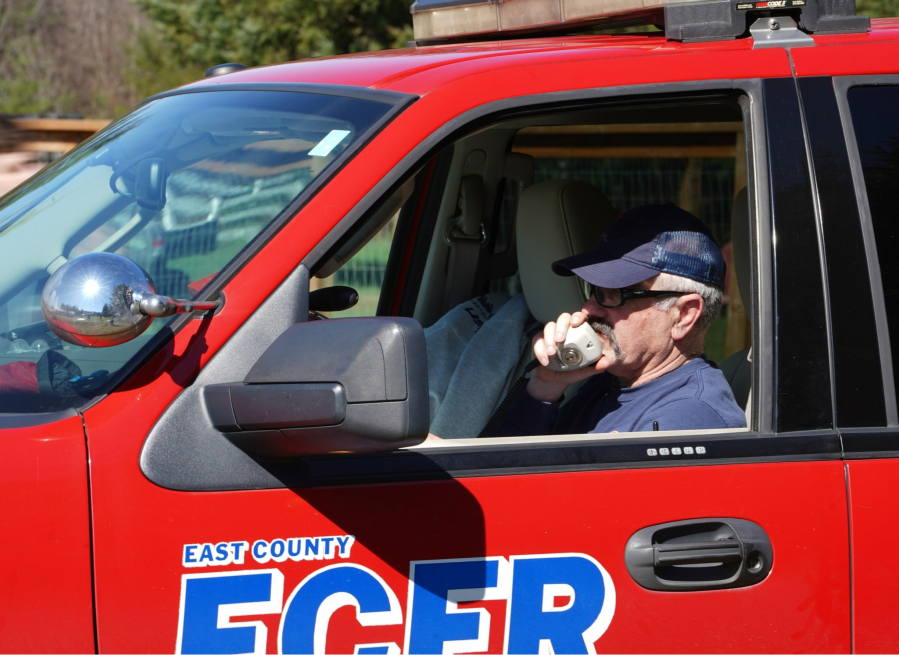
pixel 574 9
pixel 455 21
pixel 492 16
pixel 528 13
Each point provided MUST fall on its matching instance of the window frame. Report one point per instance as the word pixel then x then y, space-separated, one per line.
pixel 757 187
pixel 863 443
pixel 566 453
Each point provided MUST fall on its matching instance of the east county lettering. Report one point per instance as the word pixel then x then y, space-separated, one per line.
pixel 262 551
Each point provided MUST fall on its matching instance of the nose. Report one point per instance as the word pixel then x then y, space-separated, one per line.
pixel 593 308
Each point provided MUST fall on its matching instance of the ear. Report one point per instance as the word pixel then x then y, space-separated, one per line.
pixel 686 313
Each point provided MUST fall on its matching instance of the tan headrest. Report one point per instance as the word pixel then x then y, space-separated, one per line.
pixel 556 219
pixel 740 243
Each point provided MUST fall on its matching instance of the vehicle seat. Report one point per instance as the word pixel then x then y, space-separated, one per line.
pixel 469 376
pixel 737 368
pixel 556 219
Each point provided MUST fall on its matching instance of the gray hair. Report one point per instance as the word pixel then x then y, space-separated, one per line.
pixel 710 295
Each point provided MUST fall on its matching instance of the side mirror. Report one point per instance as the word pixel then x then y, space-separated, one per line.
pixel 346 384
pixel 102 299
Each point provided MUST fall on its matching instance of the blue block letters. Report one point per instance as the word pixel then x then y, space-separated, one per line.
pixel 536 623
pixel 435 624
pixel 304 625
pixel 210 600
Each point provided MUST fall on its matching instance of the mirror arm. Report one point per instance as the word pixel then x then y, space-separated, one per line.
pixel 101 299
pixel 162 306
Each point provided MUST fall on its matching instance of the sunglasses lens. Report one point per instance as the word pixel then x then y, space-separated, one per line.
pixel 610 297
pixel 605 297
pixel 586 288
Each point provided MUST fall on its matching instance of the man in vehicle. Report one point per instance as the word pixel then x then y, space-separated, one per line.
pixel 654 286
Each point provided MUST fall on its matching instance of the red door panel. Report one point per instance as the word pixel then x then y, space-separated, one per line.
pixel 142 531
pixel 46 603
pixel 875 524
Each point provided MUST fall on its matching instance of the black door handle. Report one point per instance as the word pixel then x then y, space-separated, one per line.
pixel 699 554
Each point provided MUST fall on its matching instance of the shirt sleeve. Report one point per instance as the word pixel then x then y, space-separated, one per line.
pixel 527 417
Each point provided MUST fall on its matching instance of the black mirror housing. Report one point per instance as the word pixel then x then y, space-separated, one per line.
pixel 150 184
pixel 347 384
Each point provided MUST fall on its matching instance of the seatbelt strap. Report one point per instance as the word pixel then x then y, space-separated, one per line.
pixel 466 236
pixel 463 267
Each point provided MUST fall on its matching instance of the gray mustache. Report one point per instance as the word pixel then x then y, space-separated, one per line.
pixel 600 326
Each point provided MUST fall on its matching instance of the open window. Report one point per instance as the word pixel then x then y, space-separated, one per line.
pixel 523 192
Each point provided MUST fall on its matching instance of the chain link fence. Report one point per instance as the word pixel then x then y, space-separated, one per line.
pixel 626 182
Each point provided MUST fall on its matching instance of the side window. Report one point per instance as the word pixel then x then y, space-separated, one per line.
pixel 364 273
pixel 360 260
pixel 876 126
pixel 548 187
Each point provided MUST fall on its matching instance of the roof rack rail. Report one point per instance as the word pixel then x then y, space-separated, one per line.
pixel 460 21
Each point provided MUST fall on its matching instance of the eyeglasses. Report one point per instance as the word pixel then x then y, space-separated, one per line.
pixel 610 298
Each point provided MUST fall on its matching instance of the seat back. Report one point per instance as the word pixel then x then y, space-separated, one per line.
pixel 557 219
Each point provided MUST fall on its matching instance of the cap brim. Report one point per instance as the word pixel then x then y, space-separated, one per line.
pixel 613 274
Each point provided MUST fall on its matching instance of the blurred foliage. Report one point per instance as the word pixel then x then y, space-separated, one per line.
pixel 877 8
pixel 65 56
pixel 185 37
pixel 20 90
pixel 98 58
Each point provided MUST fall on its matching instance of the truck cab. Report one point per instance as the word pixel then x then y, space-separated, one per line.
pixel 229 324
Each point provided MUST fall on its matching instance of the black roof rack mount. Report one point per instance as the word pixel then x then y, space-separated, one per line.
pixel 728 19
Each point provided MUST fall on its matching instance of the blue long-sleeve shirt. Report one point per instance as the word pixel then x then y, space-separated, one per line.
pixel 692 397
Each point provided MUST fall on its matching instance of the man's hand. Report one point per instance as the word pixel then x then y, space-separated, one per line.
pixel 546 384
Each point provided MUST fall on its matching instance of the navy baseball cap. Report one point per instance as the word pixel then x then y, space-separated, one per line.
pixel 646 241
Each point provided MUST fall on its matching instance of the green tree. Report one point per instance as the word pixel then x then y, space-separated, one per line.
pixel 877 8
pixel 188 36
pixel 66 56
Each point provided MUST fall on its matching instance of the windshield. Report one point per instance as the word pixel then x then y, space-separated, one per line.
pixel 180 187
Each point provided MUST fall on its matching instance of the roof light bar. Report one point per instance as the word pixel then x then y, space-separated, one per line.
pixel 441 21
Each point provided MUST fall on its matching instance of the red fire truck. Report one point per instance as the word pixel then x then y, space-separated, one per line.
pixel 202 453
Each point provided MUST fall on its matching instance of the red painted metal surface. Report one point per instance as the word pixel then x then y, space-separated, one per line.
pixel 874 517
pixel 45 556
pixel 802 607
pixel 389 69
pixel 851 54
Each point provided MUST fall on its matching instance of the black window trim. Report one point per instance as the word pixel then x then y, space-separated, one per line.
pixel 882 442
pixel 822 256
pixel 802 397
pixel 857 388
pixel 842 85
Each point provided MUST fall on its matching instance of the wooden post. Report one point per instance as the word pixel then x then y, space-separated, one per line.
pixel 689 196
pixel 739 329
